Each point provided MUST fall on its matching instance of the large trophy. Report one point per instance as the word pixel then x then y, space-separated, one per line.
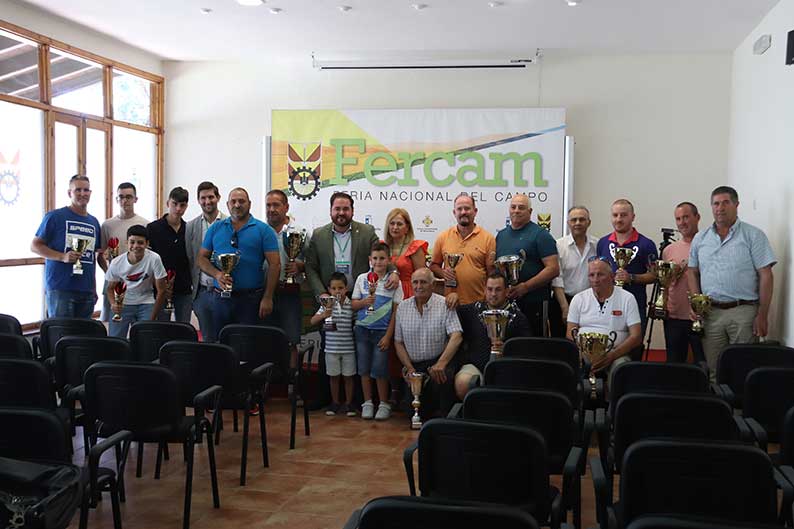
pixel 544 221
pixel 372 286
pixel 293 245
pixel 327 301
pixel 496 322
pixel 79 245
pixel 510 267
pixel 701 305
pixel 452 260
pixel 667 272
pixel 118 296
pixel 593 346
pixel 416 382
pixel 623 257
pixel 227 262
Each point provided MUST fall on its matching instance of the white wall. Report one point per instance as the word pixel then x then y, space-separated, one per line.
pixel 761 165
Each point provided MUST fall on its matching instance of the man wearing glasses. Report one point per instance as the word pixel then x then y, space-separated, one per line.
pixel 115 229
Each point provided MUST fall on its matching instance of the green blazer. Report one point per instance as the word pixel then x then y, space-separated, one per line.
pixel 320 254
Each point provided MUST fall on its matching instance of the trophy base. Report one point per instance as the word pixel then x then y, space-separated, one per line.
pixel 116 318
pixel 329 327
pixel 226 294
pixel 289 281
pixel 619 283
pixel 77 271
pixel 659 313
pixel 416 423
pixel 451 284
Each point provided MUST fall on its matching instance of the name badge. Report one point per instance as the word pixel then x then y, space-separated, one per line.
pixel 343 267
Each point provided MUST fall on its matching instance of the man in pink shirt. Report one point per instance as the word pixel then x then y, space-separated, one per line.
pixel 678 334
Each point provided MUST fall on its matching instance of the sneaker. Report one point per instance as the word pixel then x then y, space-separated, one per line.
pixel 254 411
pixel 332 410
pixel 367 410
pixel 350 411
pixel 384 412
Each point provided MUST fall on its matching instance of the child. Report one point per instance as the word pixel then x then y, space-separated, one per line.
pixel 340 352
pixel 141 270
pixel 374 331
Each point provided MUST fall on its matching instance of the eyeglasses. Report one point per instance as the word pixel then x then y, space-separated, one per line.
pixel 235 240
pixel 597 257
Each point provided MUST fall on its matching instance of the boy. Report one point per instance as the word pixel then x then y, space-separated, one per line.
pixel 374 331
pixel 340 353
pixel 141 270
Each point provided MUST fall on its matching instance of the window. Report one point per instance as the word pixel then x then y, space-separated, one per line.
pixel 76 83
pixel 132 98
pixel 19 66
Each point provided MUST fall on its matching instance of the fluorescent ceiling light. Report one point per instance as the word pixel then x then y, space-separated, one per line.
pixel 410 64
pixel 573 3
pixel 344 9
pixel 206 10
pixel 251 3
pixel 419 7
pixel 276 10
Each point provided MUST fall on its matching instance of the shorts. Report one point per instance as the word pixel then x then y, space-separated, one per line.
pixel 340 364
pixel 371 360
pixel 469 369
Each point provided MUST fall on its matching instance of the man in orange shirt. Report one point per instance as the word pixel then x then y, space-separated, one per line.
pixel 478 247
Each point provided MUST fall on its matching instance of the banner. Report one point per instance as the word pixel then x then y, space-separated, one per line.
pixel 420 160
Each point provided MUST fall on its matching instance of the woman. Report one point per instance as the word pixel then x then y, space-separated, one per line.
pixel 407 253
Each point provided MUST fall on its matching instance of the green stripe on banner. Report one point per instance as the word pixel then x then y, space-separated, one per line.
pixel 379 313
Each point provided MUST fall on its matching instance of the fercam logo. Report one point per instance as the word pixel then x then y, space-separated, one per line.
pixel 9 180
pixel 304 167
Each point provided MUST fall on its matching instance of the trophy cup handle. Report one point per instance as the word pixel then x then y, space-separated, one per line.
pixel 612 337
pixel 523 255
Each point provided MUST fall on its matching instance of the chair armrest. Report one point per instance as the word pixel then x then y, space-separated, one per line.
pixel 95 454
pixel 744 431
pixel 49 363
pixel 787 472
pixel 602 429
pixel 408 461
pixel 612 518
pixel 35 343
pixel 352 522
pixel 758 432
pixel 456 412
pixel 571 471
pixel 728 394
pixel 207 398
pixel 261 374
pixel 600 393
pixel 600 486
pixel 787 489
pixel 303 350
pixel 72 395
pixel 156 361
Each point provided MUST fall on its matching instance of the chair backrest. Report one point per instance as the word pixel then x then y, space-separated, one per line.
pixel 521 373
pixel 496 463
pixel 768 395
pixel 25 383
pixel 147 337
pixel 657 377
pixel 53 329
pixel 690 522
pixel 640 416
pixel 544 349
pixel 132 396
pixel 75 354
pixel 257 344
pixel 15 346
pixel 10 325
pixel 399 512
pixel 33 433
pixel 723 480
pixel 736 362
pixel 787 439
pixel 198 366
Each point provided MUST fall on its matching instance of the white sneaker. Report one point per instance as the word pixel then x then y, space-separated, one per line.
pixel 367 410
pixel 384 412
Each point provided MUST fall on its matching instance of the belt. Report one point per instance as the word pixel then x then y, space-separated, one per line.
pixel 733 304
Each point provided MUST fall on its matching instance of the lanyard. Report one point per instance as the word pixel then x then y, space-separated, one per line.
pixel 341 248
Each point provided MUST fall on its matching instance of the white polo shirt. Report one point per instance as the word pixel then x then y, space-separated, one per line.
pixel 618 313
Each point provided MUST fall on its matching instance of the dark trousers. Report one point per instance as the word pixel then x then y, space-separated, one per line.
pixel 556 323
pixel 533 310
pixel 242 307
pixel 436 399
pixel 678 337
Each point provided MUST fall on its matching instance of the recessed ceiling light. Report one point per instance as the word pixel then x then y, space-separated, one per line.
pixel 344 9
pixel 573 3
pixel 206 10
pixel 495 4
pixel 251 3
pixel 276 10
pixel 419 7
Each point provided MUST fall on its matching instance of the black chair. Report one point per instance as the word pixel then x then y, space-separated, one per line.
pixel 691 522
pixel 768 395
pixel 53 329
pixel 147 337
pixel 399 512
pixel 736 362
pixel 37 434
pixel 494 463
pixel 15 346
pixel 731 481
pixel 10 325
pixel 145 400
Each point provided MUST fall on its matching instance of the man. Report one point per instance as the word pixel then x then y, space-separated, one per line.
pixel 731 262
pixel 427 335
pixel 574 250
pixel 116 228
pixel 605 309
pixel 478 248
pixel 541 264
pixel 69 294
pixel 255 242
pixel 636 275
pixel 167 239
pixel 196 229
pixel 678 335
pixel 477 345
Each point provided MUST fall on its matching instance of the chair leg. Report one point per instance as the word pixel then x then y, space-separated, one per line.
pixel 139 462
pixel 217 424
pixel 263 432
pixel 306 431
pixel 216 501
pixel 244 458
pixel 293 415
pixel 577 503
pixel 159 463
pixel 114 502
pixel 86 442
pixel 166 455
pixel 184 451
pixel 125 451
pixel 234 419
pixel 188 484
pixel 83 510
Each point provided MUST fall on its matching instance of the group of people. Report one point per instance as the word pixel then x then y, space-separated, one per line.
pixel 386 319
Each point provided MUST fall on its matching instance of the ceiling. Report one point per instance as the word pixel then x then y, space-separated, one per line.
pixel 177 30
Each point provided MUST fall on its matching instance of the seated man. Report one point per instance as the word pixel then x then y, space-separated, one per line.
pixel 426 336
pixel 477 346
pixel 604 308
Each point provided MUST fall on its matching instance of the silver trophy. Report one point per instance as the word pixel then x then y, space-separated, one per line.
pixel 327 301
pixel 510 267
pixel 416 381
pixel 496 322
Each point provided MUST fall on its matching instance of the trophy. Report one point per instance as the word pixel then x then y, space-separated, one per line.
pixel 666 273
pixel 623 257
pixel 452 260
pixel 113 248
pixel 593 346
pixel 496 322
pixel 372 285
pixel 227 262
pixel 544 221
pixel 169 278
pixel 701 305
pixel 79 245
pixel 416 382
pixel 293 244
pixel 510 267
pixel 118 295
pixel 327 301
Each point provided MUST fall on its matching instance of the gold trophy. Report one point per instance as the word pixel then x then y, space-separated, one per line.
pixel 701 305
pixel 496 322
pixel 510 267
pixel 623 257
pixel 327 301
pixel 293 244
pixel 544 221
pixel 416 382
pixel 79 245
pixel 227 262
pixel 452 260
pixel 593 346
pixel 667 272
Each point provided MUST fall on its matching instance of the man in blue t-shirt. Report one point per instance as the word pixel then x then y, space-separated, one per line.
pixel 255 242
pixel 636 275
pixel 69 293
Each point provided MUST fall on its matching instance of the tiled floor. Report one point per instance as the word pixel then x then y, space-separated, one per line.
pixel 344 463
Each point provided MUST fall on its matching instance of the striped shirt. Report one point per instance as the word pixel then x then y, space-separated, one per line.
pixel 728 268
pixel 341 340
pixel 425 335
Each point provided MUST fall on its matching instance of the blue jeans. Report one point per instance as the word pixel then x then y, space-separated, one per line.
pixel 70 303
pixel 287 315
pixel 371 360
pixel 129 314
pixel 202 306
pixel 183 305
pixel 242 307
